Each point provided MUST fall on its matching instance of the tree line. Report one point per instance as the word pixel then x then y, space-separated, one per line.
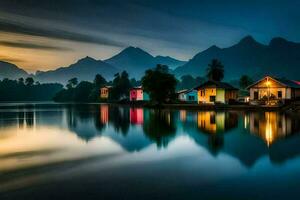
pixel 158 82
pixel 27 90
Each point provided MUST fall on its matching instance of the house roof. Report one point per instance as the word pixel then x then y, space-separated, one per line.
pixel 216 84
pixel 136 88
pixel 285 82
pixel 107 86
pixel 184 91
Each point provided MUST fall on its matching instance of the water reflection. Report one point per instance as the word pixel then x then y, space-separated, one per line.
pixel 271 126
pixel 245 136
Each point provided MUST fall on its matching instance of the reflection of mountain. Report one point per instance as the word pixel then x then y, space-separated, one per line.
pixel 135 141
pixel 247 137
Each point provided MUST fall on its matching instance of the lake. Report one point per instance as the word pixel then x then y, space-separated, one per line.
pixel 92 151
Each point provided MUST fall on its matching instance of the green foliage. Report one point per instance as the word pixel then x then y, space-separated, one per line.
pixel 121 86
pixel 245 81
pixel 72 83
pixel 29 81
pixel 16 90
pixel 83 92
pixel 215 70
pixel 160 127
pixel 99 82
pixel 135 83
pixel 188 82
pixel 159 84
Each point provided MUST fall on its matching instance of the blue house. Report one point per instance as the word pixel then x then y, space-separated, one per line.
pixel 186 95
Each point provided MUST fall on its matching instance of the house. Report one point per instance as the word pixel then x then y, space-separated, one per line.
pixel 216 92
pixel 187 95
pixel 270 90
pixel 137 94
pixel 104 92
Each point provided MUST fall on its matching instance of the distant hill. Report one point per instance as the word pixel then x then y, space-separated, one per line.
pixel 84 69
pixel 280 58
pixel 136 61
pixel 11 71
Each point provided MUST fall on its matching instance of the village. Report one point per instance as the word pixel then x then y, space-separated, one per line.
pixel 268 92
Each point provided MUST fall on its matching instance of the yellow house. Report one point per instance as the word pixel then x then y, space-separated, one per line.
pixel 214 91
pixel 104 92
pixel 270 89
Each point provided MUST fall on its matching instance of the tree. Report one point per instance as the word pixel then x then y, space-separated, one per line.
pixel 121 86
pixel 159 84
pixel 21 81
pixel 72 83
pixel 99 81
pixel 245 81
pixel 29 81
pixel 215 70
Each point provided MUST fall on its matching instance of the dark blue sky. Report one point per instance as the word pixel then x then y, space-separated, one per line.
pixel 47 34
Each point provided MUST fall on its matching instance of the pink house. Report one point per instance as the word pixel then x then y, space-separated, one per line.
pixel 136 94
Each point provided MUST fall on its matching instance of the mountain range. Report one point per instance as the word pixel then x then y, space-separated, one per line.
pixel 134 60
pixel 280 58
pixel 8 70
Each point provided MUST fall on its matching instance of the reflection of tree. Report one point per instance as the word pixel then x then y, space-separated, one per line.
pixel 84 121
pixel 119 117
pixel 214 125
pixel 29 118
pixel 215 143
pixel 160 127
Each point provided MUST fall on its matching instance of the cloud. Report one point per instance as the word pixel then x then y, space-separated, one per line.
pixel 19 24
pixel 11 60
pixel 26 45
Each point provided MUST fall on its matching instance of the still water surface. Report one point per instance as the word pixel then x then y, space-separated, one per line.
pixel 113 152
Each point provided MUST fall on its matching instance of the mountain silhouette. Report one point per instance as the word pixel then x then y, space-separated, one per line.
pixel 136 61
pixel 280 58
pixel 84 69
pixel 8 70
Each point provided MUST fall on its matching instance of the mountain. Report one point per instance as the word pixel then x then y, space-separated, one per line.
pixel 167 60
pixel 136 61
pixel 279 58
pixel 11 71
pixel 84 69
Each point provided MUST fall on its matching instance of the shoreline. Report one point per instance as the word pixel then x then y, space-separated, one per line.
pixel 293 107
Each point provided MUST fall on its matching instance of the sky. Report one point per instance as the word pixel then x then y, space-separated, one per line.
pixel 47 34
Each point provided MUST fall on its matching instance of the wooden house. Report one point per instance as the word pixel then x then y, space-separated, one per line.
pixel 216 92
pixel 104 92
pixel 137 94
pixel 270 90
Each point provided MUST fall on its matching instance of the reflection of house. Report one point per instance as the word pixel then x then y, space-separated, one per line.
pixel 104 92
pixel 270 88
pixel 137 94
pixel 187 95
pixel 271 126
pixel 215 122
pixel 214 91
pixel 104 114
pixel 136 115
